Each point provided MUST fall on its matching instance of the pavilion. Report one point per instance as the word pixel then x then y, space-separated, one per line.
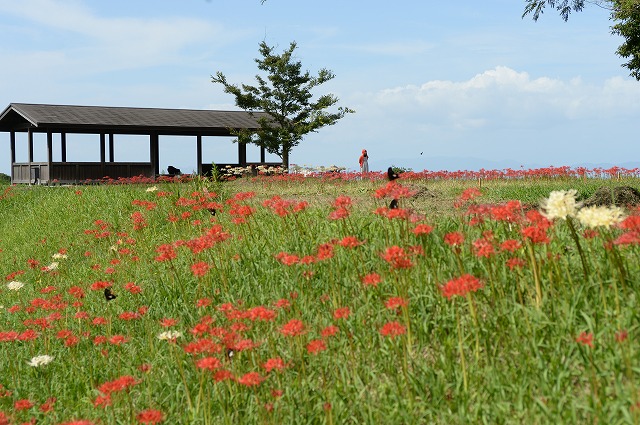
pixel 107 122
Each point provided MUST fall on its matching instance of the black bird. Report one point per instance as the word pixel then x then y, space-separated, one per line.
pixel 394 204
pixel 108 295
pixel 392 174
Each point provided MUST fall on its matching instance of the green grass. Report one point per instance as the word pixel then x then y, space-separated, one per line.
pixel 510 352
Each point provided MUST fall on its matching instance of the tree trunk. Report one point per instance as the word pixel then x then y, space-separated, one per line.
pixel 285 158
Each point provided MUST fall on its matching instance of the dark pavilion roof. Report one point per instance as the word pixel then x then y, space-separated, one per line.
pixel 123 120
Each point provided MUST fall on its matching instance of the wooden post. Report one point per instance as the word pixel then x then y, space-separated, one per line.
pixel 242 154
pixel 49 148
pixel 110 147
pixel 12 137
pixel 102 155
pixel 262 155
pixel 199 154
pixel 154 152
pixel 63 147
pixel 30 148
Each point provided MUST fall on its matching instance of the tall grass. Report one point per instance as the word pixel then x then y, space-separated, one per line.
pixel 320 305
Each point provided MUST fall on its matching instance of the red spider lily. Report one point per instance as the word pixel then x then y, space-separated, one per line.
pixel 341 313
pixel 397 258
pixel 203 302
pixel 100 285
pixel 342 202
pixel 261 313
pixel 76 292
pixel 241 196
pixel 129 315
pixel 23 404
pixel 537 219
pixel 287 259
pixel 632 222
pixel 621 336
pixel 250 379
pixel 139 222
pixel 47 406
pixel 167 322
pixel 536 234
pixel 274 364
pixel 510 212
pixel 510 245
pixel 293 327
pixel 422 229
pixel 222 375
pixel 118 339
pixel 209 363
pixel 393 213
pixel 13 275
pixel 371 279
pixel 166 251
pixel 99 340
pixel 200 269
pixel 150 416
pixel 394 303
pixel 99 321
pixel 393 329
pixel 585 338
pixel 102 401
pixel 469 194
pixel 315 346
pixel 461 286
pixel 454 238
pixel 339 214
pixel 282 303
pixel 132 288
pixel 512 263
pixel 324 251
pixel 119 384
pixel 330 330
pixel 393 190
pixel 148 205
pixel 202 345
pixel 284 207
pixel 350 242
pixel 483 248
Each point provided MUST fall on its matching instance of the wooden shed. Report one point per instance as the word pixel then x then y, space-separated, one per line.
pixel 106 122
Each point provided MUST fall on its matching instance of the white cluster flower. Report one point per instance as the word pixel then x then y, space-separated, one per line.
pixel 560 204
pixel 14 285
pixel 58 256
pixel 152 189
pixel 600 216
pixel 52 266
pixel 42 360
pixel 169 335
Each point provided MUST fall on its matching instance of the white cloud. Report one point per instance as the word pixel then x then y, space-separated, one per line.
pixel 108 43
pixel 503 95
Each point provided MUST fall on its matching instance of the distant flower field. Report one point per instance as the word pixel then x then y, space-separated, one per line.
pixel 290 299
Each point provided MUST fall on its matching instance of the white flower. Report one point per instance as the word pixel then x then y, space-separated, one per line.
pixel 560 204
pixel 58 256
pixel 14 285
pixel 600 216
pixel 52 266
pixel 42 360
pixel 169 335
pixel 152 189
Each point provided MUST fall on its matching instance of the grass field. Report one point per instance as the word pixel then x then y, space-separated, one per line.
pixel 293 300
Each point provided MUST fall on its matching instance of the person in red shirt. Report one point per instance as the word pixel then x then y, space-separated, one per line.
pixel 364 162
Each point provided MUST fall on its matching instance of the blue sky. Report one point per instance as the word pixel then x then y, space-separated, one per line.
pixel 468 84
